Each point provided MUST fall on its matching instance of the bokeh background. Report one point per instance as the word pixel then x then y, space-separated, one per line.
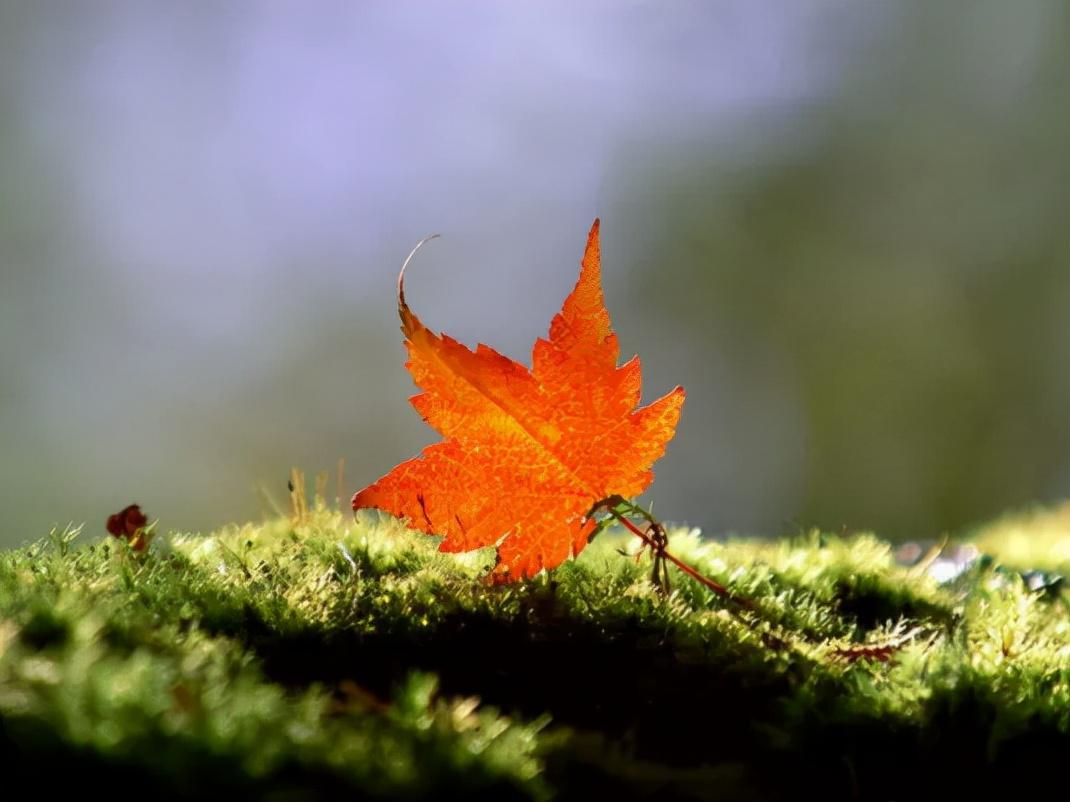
pixel 841 226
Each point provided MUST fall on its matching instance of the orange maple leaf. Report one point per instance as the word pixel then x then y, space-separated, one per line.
pixel 526 453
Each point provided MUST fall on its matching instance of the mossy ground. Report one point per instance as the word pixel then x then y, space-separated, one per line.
pixel 340 658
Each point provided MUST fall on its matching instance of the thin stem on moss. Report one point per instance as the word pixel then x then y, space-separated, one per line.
pixel 617 506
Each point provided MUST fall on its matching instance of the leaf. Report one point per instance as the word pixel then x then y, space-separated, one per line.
pixel 526 453
pixel 130 524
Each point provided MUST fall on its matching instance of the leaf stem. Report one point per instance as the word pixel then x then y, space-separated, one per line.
pixel 611 505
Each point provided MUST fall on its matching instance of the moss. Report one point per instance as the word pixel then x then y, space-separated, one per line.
pixel 338 657
pixel 1037 538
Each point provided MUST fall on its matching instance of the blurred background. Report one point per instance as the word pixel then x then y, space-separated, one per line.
pixel 842 227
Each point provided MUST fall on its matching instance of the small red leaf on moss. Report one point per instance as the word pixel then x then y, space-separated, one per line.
pixel 129 524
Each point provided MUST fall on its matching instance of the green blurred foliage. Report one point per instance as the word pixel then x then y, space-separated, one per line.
pixel 898 274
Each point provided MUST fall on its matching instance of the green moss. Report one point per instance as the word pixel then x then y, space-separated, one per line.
pixel 342 657
pixel 1033 539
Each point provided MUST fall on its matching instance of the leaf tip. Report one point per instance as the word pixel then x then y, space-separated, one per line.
pixel 403 308
pixel 592 236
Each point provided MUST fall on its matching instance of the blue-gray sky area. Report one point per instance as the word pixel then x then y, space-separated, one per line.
pixel 203 208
